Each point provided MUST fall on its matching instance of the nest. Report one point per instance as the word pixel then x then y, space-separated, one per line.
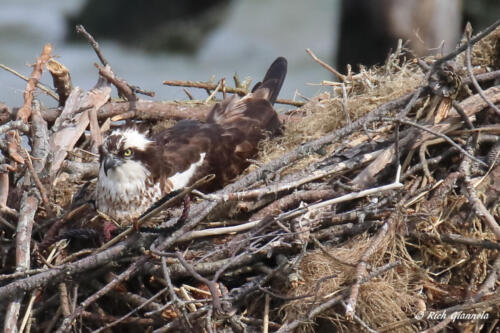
pixel 376 210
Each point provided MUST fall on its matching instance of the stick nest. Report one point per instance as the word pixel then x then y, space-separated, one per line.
pixel 376 207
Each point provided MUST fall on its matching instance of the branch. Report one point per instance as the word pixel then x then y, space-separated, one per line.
pixel 25 111
pixel 29 205
pixel 55 275
pixel 62 80
pixel 80 29
pixel 212 86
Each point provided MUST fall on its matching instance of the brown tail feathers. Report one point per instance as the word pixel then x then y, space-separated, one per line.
pixel 273 80
pixel 256 108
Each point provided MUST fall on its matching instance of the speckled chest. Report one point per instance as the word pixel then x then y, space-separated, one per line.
pixel 124 194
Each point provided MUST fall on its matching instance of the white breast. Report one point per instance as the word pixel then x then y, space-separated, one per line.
pixel 181 179
pixel 126 192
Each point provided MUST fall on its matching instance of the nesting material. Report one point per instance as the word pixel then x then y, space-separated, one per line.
pixel 376 210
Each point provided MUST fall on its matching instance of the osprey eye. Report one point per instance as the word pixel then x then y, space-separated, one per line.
pixel 127 153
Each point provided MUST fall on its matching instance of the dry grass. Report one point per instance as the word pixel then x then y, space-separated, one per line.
pixel 433 274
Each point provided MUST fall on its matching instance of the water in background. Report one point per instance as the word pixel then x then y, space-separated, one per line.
pixel 255 32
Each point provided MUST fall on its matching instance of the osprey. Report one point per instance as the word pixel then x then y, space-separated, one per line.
pixel 136 170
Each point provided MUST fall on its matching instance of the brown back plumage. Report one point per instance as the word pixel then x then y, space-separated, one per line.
pixel 228 138
pixel 257 106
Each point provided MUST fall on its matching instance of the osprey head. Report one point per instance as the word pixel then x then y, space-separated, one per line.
pixel 125 186
pixel 123 152
pixel 123 155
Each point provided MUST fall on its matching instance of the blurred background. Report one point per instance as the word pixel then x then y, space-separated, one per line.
pixel 149 42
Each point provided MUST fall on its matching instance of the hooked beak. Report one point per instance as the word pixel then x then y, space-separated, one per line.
pixel 110 162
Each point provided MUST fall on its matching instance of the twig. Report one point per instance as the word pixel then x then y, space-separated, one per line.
pixel 64 299
pixel 231 90
pixel 130 90
pixel 223 87
pixel 477 204
pixel 212 95
pixel 142 91
pixel 463 47
pixel 493 75
pixel 351 196
pixel 344 103
pixel 180 305
pixel 360 321
pixel 28 313
pixel 293 213
pixel 38 183
pixel 95 45
pixel 461 112
pixel 425 167
pixel 339 76
pixel 120 84
pixel 458 239
pixel 4 189
pixel 52 276
pixel 287 184
pixel 292 200
pixel 188 93
pixel 39 138
pixel 135 310
pixel 441 135
pixel 204 85
pixel 468 32
pixel 40 86
pixel 29 205
pixel 210 284
pixel 265 324
pixel 351 302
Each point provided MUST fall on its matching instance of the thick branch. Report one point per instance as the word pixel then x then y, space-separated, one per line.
pixel 25 111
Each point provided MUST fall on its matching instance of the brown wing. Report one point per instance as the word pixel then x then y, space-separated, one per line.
pixel 258 105
pixel 182 145
pixel 228 139
pixel 247 120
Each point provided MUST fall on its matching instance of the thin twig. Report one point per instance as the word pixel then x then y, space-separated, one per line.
pixel 40 86
pixel 476 203
pixel 212 95
pixel 80 29
pixel 231 90
pixel 471 42
pixel 468 32
pixel 441 135
pixel 210 284
pixel 339 76
pixel 265 324
pixel 38 183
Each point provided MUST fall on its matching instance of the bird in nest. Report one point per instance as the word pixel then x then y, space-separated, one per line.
pixel 137 169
